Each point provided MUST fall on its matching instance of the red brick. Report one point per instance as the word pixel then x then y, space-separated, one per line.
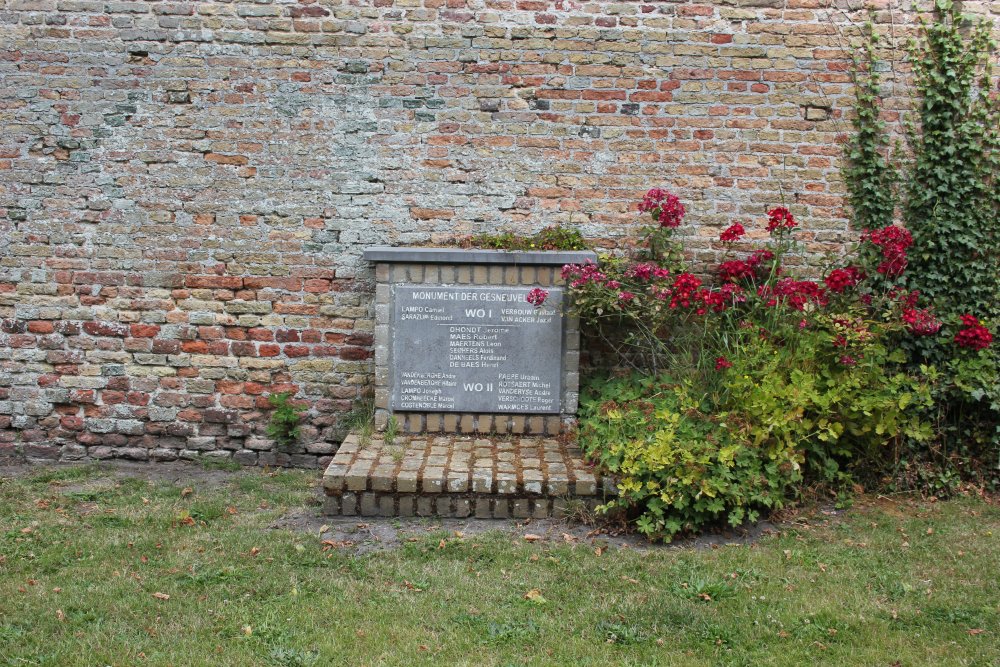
pixel 112 397
pixel 296 351
pixel 211 333
pixel 355 353
pixel 144 330
pixel 316 285
pixel 229 387
pixel 195 346
pixel 360 339
pixel 260 334
pixel 41 327
pixel 213 282
pixel 137 398
pixel 243 349
pixel 268 350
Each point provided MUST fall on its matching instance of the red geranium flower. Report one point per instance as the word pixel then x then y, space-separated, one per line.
pixel 780 218
pixel 537 297
pixel 973 334
pixel 732 233
pixel 721 364
pixel 843 279
pixel 665 208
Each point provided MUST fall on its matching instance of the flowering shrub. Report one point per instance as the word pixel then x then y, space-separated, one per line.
pixel 537 297
pixel 803 376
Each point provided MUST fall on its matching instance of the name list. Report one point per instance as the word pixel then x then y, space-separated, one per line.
pixel 476 349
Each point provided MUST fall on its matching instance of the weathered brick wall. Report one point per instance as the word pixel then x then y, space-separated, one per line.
pixel 186 187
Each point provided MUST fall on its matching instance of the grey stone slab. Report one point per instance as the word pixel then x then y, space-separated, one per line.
pixel 475 350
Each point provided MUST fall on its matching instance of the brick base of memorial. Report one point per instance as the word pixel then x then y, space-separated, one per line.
pixel 456 476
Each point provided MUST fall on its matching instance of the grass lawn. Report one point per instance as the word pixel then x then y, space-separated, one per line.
pixel 97 568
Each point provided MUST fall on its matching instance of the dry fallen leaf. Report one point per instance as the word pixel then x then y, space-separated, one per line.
pixel 442 544
pixel 976 631
pixel 598 551
pixel 161 596
pixel 186 491
pixel 60 615
pixel 531 537
pixel 535 595
pixel 254 551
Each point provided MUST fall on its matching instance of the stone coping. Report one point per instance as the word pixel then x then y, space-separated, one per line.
pixel 406 255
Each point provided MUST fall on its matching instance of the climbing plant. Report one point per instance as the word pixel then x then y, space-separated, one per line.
pixel 946 188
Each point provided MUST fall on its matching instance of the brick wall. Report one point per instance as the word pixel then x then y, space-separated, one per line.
pixel 186 187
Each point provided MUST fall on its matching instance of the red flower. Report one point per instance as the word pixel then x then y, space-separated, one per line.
pixel 780 218
pixel 893 242
pixel 735 269
pixel 684 288
pixel 646 272
pixel 921 321
pixel 625 296
pixel 843 279
pixel 537 297
pixel 795 293
pixel 758 257
pixel 973 334
pixel 732 233
pixel 721 364
pixel 665 208
pixel 583 274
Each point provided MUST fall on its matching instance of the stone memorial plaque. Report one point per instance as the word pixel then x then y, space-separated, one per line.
pixel 476 349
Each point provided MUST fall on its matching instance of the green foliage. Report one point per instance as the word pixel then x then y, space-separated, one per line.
pixel 726 445
pixel 953 183
pixel 949 184
pixel 869 174
pixel 391 431
pixel 678 467
pixel 555 237
pixel 284 425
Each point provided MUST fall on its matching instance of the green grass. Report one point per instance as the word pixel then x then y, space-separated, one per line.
pixel 83 557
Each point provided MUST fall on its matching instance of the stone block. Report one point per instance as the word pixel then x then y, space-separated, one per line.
pixel 369 504
pixel 483 508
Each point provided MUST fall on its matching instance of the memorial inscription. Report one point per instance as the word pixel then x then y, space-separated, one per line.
pixel 476 349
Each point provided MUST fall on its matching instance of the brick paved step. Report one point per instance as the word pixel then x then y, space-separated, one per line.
pixel 431 475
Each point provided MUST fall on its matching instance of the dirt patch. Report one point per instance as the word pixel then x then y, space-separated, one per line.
pixel 370 534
